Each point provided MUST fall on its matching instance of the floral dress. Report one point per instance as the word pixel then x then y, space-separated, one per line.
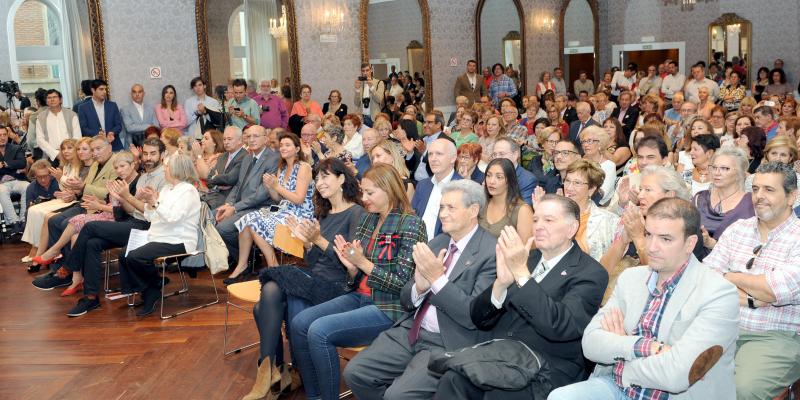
pixel 263 221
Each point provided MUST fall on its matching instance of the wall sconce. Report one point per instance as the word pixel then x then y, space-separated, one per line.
pixel 548 24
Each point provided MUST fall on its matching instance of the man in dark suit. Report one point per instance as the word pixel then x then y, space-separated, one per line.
pixel 428 194
pixel 568 113
pixel 543 298
pixel 432 129
pixel 451 270
pixel 506 147
pixel 248 193
pixel 470 84
pixel 100 115
pixel 584 111
pixel 626 113
pixel 225 173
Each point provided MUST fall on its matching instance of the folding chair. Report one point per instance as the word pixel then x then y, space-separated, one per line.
pixel 250 292
pixel 108 274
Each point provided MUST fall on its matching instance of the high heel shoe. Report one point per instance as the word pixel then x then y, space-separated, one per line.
pixel 72 290
pixel 33 268
pixel 42 262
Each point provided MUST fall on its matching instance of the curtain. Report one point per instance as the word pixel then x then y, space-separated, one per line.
pixel 262 48
pixel 78 61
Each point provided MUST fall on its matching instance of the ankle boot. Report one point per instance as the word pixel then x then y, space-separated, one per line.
pixel 289 380
pixel 264 380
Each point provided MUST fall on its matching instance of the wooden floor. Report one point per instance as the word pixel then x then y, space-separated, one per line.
pixel 110 353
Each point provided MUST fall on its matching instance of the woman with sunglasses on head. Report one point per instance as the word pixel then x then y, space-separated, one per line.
pixel 725 201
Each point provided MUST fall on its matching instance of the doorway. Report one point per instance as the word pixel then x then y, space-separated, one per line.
pixel 574 63
pixel 649 53
pixel 644 58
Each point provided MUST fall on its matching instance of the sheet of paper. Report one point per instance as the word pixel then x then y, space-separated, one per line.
pixel 137 239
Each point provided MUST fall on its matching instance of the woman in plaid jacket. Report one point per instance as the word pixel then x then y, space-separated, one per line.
pixel 379 264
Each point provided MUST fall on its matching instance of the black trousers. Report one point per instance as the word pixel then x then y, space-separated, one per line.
pixel 58 223
pixel 94 238
pixel 137 270
pixel 453 385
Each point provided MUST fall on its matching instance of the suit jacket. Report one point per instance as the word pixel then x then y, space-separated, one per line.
pixel 570 114
pixel 477 176
pixel 222 179
pixel 249 193
pixel 463 88
pixel 14 158
pixel 702 313
pixel 550 316
pixel 628 121
pixel 421 195
pixel 90 124
pixel 134 124
pixel 527 182
pixel 574 130
pixel 95 181
pixel 471 275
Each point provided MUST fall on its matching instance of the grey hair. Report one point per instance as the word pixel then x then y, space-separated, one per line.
pixel 125 156
pixel 512 144
pixel 739 158
pixel 668 180
pixel 786 170
pixel 181 168
pixel 471 192
pixel 235 129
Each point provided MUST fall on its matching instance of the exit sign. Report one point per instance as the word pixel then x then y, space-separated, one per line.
pixel 648 47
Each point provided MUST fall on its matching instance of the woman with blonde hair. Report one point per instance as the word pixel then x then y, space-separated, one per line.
pixel 171 139
pixel 494 129
pixel 594 141
pixel 747 105
pixel 781 149
pixel 388 152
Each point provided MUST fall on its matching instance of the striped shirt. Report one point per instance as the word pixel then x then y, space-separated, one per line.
pixel 777 261
pixel 647 328
pixel 501 84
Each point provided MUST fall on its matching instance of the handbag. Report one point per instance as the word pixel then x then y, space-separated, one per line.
pixel 216 253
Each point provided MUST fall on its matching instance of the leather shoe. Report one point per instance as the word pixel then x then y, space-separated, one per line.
pixel 150 298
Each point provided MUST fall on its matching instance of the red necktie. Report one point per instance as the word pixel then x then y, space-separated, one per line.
pixel 413 334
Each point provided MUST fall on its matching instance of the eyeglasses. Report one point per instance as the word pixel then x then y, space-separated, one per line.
pixel 500 154
pixel 564 153
pixel 569 182
pixel 756 252
pixel 714 168
pixel 590 141
pixel 551 142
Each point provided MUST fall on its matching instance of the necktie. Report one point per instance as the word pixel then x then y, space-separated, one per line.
pixel 413 334
pixel 539 272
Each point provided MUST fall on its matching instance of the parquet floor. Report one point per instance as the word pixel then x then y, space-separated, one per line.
pixel 110 353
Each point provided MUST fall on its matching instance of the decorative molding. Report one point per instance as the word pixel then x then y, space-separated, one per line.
pixel 596 19
pixel 746 35
pixel 426 38
pixel 98 39
pixel 201 20
pixel 521 70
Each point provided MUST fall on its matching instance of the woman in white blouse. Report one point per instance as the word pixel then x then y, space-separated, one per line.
pixel 174 216
pixel 594 141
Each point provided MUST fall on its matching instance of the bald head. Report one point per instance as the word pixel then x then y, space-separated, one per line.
pixel 137 93
pixel 441 157
pixel 584 111
pixel 256 138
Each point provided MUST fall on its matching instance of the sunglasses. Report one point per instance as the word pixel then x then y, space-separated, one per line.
pixel 756 252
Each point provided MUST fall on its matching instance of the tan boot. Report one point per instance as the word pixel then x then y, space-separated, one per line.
pixel 289 381
pixel 264 380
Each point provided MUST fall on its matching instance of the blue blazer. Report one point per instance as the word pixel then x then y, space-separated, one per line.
pixel 477 176
pixel 90 123
pixel 574 132
pixel 527 182
pixel 421 195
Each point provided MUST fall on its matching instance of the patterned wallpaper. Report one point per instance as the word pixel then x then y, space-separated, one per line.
pixel 138 38
pixel 498 17
pixel 578 24
pixel 542 46
pixel 452 35
pixel 391 26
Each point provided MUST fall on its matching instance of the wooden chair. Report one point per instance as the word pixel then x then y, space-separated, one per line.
pixel 347 354
pixel 250 292
pixel 791 393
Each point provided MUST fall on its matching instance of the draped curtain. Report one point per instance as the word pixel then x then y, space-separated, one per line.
pixel 78 60
pixel 261 46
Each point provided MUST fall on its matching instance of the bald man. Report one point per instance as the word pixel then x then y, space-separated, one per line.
pixel 137 116
pixel 584 111
pixel 428 195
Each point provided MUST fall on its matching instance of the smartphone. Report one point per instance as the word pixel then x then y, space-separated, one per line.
pixel 237 109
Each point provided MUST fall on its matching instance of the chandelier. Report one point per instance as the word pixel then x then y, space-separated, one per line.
pixel 277 27
pixel 686 5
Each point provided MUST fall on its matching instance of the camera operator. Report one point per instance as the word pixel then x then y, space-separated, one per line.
pixel 368 95
pixel 273 109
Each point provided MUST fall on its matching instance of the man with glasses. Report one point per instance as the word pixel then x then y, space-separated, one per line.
pixel 507 148
pixel 242 109
pixel 43 187
pixel 273 109
pixel 565 153
pixel 432 129
pixel 675 131
pixel 248 193
pixel 759 255
pixel 584 112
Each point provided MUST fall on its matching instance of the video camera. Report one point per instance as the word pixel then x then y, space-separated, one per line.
pixel 9 87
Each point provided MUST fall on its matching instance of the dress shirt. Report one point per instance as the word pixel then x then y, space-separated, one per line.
pixel 671 84
pixel 693 87
pixel 139 109
pixel 176 217
pixel 100 109
pixel 500 84
pixel 277 116
pixel 618 80
pixel 539 273
pixel 777 261
pixel 190 108
pixel 57 132
pixel 431 214
pixel 430 321
pixel 420 173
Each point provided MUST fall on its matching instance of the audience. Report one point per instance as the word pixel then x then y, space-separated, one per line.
pixel 469 156
pixel 594 141
pixel 12 181
pixel 242 109
pixel 428 194
pixel 54 125
pixel 169 112
pixel 201 110
pixel 504 204
pixel 102 117
pixel 507 148
pixel 273 112
pixel 221 177
pixel 368 95
pixel 388 152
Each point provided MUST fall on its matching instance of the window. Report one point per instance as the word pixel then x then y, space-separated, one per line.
pixel 38 52
pixel 237 44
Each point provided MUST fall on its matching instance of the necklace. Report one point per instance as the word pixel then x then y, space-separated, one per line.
pixel 718 208
pixel 702 175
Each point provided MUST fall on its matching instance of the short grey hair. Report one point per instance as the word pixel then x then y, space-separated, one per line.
pixel 739 158
pixel 471 192
pixel 237 131
pixel 512 144
pixel 669 180
pixel 786 170
pixel 181 168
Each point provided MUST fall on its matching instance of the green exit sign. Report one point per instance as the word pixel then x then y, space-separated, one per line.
pixel 573 51
pixel 648 47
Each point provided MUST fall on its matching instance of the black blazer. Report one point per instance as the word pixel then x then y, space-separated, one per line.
pixel 575 131
pixel 628 121
pixel 570 115
pixel 549 316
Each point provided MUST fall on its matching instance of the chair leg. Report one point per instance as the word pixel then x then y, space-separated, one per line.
pixel 185 289
pixel 225 337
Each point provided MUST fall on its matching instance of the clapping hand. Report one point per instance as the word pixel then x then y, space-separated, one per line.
pixel 514 251
pixel 633 221
pixel 429 266
pixel 270 181
pixel 420 146
pixel 64 196
pixel 538 193
pixel 90 203
pixel 136 151
pixel 150 195
pixel 351 254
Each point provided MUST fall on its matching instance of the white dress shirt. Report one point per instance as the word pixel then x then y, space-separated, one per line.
pixel 671 84
pixel 431 214
pixel 430 321
pixel 100 109
pixel 620 80
pixel 57 132
pixel 176 218
pixel 539 273
pixel 139 109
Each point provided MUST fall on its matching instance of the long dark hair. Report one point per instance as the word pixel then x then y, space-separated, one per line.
pixel 513 194
pixel 296 140
pixel 351 190
pixel 174 104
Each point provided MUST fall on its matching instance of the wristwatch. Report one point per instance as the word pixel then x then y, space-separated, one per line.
pixel 751 302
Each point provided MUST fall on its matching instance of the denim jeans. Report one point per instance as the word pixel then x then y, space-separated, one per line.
pixel 367 120
pixel 6 206
pixel 347 321
pixel 595 388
